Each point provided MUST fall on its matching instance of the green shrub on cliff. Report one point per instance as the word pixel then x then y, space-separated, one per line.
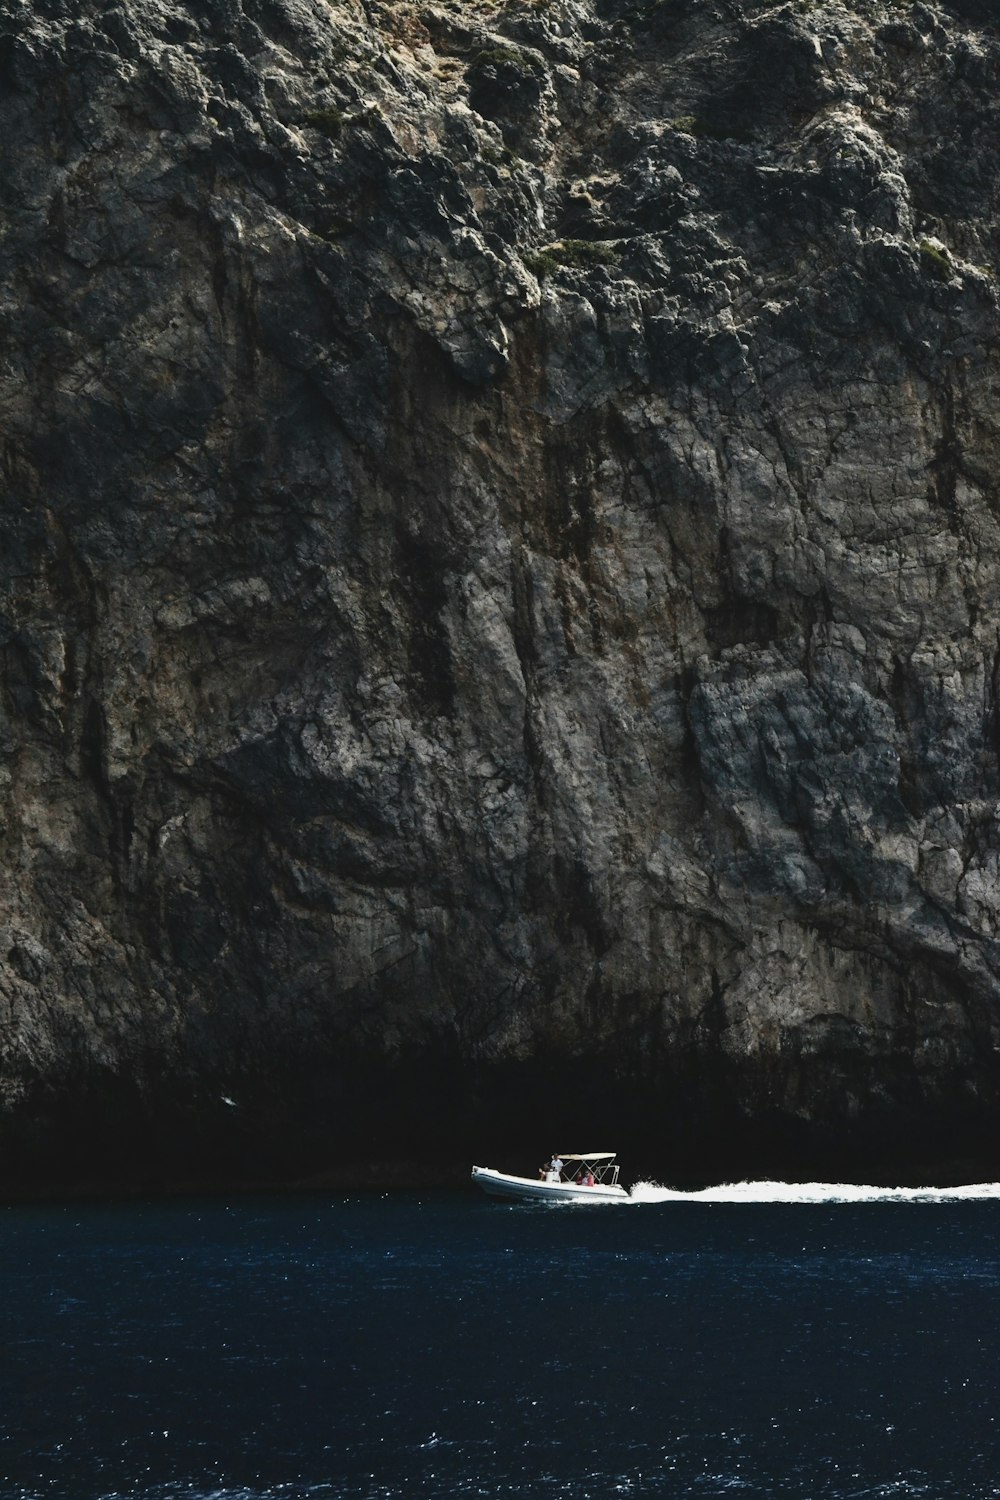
pixel 935 258
pixel 504 57
pixel 541 263
pixel 576 255
pixel 329 119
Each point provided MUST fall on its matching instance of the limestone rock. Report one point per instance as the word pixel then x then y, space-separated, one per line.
pixel 500 569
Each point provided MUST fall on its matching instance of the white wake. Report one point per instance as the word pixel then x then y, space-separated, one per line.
pixel 813 1192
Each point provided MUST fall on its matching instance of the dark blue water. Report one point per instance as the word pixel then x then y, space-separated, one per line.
pixel 443 1345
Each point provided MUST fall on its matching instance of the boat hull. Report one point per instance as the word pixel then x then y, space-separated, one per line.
pixel 532 1190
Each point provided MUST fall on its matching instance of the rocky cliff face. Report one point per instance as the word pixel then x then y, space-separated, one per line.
pixel 500 570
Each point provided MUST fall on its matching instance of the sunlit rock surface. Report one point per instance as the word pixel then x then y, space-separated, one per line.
pixel 500 564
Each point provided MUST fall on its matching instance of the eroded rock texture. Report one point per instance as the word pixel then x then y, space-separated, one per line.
pixel 500 567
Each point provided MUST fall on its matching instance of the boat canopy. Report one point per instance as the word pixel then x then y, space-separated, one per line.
pixel 587 1155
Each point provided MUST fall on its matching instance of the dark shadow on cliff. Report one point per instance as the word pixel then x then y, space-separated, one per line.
pixel 425 1123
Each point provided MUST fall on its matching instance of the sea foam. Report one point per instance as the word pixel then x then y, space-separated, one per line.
pixel 813 1192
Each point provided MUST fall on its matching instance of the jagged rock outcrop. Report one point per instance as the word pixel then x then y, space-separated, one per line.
pixel 500 567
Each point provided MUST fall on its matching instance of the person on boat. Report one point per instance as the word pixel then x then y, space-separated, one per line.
pixel 554 1170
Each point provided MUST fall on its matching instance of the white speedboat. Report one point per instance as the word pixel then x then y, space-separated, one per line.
pixel 587 1177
